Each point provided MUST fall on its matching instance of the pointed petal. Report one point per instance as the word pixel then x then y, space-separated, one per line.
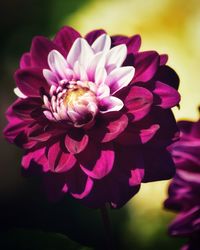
pixel 40 49
pixel 102 43
pixel 65 38
pixel 100 75
pixel 57 63
pixel 168 96
pixel 146 64
pixel 116 55
pixel 120 78
pixel 93 35
pixel 80 51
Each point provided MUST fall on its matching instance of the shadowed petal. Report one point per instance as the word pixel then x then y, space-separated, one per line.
pixel 25 60
pixel 30 81
pixel 95 161
pixel 40 49
pixel 77 145
pixel 93 35
pixel 115 128
pixel 65 38
pixel 146 65
pixel 138 102
pixel 60 161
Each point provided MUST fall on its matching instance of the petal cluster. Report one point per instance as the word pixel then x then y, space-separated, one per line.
pixel 95 114
pixel 184 190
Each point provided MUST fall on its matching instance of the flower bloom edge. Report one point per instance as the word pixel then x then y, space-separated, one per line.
pixel 95 114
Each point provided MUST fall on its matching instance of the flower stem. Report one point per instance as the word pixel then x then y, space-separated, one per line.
pixel 107 228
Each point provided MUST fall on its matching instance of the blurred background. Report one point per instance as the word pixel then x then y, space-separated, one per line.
pixel 27 220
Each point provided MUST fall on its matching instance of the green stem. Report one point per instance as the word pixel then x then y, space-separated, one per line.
pixel 107 227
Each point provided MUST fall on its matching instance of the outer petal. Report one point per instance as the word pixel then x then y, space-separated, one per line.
pixel 95 161
pixel 59 160
pixel 146 65
pixel 76 145
pixel 168 96
pixel 25 60
pixel 158 164
pixel 40 49
pixel 65 38
pixel 138 102
pixel 79 185
pixel 30 81
pixel 168 76
pixel 37 156
pixel 133 43
pixel 93 35
pixel 115 128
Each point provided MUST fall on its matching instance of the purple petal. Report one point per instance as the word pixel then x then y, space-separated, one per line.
pixel 60 161
pixel 168 76
pixel 93 35
pixel 40 49
pixel 115 128
pixel 65 38
pixel 25 61
pixel 146 65
pixel 163 59
pixel 133 44
pixel 38 156
pixel 77 145
pixel 158 164
pixel 30 81
pixel 168 96
pixel 138 102
pixel 79 185
pixel 97 162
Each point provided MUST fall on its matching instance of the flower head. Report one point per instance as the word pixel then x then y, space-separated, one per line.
pixel 184 190
pixel 94 113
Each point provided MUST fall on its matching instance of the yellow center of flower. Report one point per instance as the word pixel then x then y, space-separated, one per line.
pixel 73 95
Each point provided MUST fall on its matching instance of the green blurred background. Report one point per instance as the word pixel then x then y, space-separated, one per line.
pixel 28 220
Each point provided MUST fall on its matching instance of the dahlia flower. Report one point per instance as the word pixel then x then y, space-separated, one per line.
pixel 184 190
pixel 94 113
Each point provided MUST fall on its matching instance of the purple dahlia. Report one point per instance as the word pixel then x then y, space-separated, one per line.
pixel 184 190
pixel 94 113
